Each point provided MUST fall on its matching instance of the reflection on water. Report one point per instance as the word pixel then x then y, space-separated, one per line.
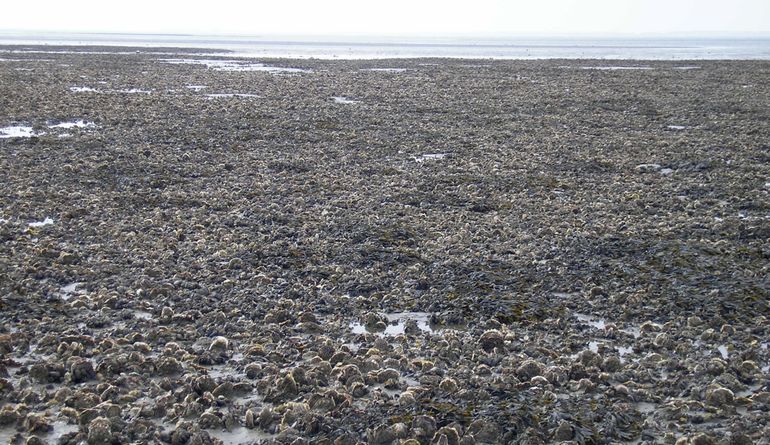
pixel 16 131
pixel 386 70
pixel 236 65
pixel 398 47
pixel 26 131
pixel 397 323
pixel 132 91
pixel 240 435
pixel 45 222
pixel 617 68
pixel 430 157
pixel 73 124
pixel 221 95
pixel 83 90
pixel 58 430
pixel 723 351
pixel 598 323
pixel 344 100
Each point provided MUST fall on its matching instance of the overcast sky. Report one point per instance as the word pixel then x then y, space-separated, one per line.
pixel 393 17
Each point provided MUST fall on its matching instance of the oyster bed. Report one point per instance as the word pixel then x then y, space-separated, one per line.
pixel 393 251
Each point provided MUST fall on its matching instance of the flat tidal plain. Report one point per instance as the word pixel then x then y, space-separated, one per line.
pixel 204 249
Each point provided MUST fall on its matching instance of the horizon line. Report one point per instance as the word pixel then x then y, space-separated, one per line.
pixel 489 35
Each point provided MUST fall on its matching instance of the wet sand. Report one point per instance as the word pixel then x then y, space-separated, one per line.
pixel 393 251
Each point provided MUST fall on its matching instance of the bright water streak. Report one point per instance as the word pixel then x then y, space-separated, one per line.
pixel 16 131
pixel 382 47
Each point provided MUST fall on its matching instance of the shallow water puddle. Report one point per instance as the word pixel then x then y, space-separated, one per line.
pixel 83 90
pixel 676 127
pixel 16 131
pixel 222 372
pixel 746 217
pixel 236 65
pixel 7 434
pixel 598 323
pixel 633 330
pixel 593 346
pixel 397 323
pixel 344 100
pixel 142 315
pixel 132 91
pixel 651 168
pixel 240 435
pixel 748 392
pixel 66 292
pixel 247 399
pixel 25 131
pixel 386 70
pixel 73 124
pixel 723 351
pixel 220 95
pixel 26 360
pixel 70 288
pixel 601 324
pixel 393 393
pixel 430 157
pixel 645 407
pixel 59 429
pixel 45 222
pixel 616 68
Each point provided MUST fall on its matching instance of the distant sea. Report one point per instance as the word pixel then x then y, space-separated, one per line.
pixel 347 47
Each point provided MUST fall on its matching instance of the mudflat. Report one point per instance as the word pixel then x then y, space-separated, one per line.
pixel 206 249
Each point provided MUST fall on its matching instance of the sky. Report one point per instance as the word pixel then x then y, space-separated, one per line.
pixel 392 17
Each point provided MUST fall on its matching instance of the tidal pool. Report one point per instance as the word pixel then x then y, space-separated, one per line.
pixel 723 351
pixel 616 68
pixel 83 90
pixel 132 91
pixel 430 157
pixel 45 222
pixel 344 100
pixel 26 131
pixel 240 435
pixel 16 131
pixel 236 65
pixel 386 70
pixel 221 95
pixel 59 429
pixel 73 124
pixel 397 323
pixel 66 292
